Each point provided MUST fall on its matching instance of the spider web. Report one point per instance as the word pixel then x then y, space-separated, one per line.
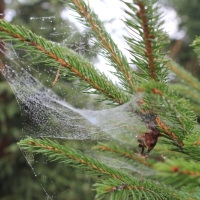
pixel 48 115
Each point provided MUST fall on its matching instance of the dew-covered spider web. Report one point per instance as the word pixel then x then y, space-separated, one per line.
pixel 48 115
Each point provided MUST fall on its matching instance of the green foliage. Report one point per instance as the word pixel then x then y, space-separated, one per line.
pixel 146 40
pixel 170 109
pixel 165 114
pixel 108 47
pixel 179 172
pixel 120 184
pixel 189 87
pixel 191 147
pixel 53 54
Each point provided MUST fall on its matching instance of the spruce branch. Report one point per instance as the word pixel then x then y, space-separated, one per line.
pixel 54 55
pixel 179 172
pixel 163 149
pixel 186 92
pixel 190 93
pixel 145 190
pixel 173 115
pixel 174 118
pixel 122 153
pixel 110 50
pixel 68 156
pixel 146 39
pixel 184 75
pixel 191 146
pixel 116 180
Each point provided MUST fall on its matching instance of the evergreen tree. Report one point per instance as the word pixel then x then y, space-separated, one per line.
pixel 171 126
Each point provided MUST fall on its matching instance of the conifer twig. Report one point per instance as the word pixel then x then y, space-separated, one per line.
pixel 184 75
pixel 182 171
pixel 170 104
pixel 123 153
pixel 147 36
pixel 113 179
pixel 111 51
pixel 56 55
pixel 188 92
pixel 191 146
pixel 67 155
pixel 146 40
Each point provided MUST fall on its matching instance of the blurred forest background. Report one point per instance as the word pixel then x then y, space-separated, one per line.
pixel 17 180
